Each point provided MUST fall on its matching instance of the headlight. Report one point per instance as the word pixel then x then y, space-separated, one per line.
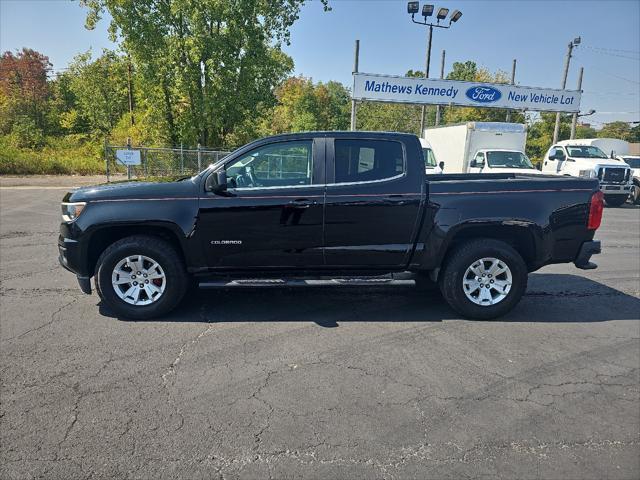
pixel 587 173
pixel 71 211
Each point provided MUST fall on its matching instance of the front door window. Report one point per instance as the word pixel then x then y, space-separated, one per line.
pixel 285 164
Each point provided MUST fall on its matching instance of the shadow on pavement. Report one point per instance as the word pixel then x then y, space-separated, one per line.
pixel 554 298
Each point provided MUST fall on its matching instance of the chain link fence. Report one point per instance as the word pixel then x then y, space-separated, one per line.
pixel 160 162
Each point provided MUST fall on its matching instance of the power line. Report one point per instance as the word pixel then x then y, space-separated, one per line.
pixel 637 59
pixel 612 49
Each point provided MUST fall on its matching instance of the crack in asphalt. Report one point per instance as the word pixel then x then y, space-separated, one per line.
pixel 44 325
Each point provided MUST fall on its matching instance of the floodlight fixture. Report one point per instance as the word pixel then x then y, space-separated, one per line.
pixel 455 16
pixel 442 13
pixel 413 7
pixel 427 10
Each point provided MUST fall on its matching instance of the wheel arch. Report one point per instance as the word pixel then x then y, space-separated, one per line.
pixel 104 236
pixel 522 237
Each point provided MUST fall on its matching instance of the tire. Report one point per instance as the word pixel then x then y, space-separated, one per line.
pixel 635 194
pixel 169 292
pixel 615 200
pixel 457 268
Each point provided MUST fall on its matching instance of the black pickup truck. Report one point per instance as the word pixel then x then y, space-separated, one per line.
pixel 355 207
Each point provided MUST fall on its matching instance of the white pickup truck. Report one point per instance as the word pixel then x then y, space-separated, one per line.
pixel 634 162
pixel 583 158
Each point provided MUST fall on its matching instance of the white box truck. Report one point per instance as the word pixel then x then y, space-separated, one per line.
pixel 481 147
pixel 584 158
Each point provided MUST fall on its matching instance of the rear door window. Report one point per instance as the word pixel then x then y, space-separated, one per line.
pixel 367 160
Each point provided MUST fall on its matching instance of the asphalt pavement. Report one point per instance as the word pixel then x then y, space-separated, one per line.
pixel 316 383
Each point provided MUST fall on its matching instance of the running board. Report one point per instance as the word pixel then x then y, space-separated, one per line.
pixel 280 282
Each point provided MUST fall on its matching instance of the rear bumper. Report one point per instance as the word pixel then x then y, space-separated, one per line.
pixel 587 249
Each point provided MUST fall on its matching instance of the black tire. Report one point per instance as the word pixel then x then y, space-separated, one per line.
pixel 615 200
pixel 635 194
pixel 162 252
pixel 456 264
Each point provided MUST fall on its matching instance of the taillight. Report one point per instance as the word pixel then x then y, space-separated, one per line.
pixel 595 210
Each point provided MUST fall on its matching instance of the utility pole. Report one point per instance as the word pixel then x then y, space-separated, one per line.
pixel 426 75
pixel 574 43
pixel 444 53
pixel 354 107
pixel 513 82
pixel 574 120
pixel 130 92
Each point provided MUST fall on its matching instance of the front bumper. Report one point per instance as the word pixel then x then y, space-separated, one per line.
pixel 70 256
pixel 587 249
pixel 616 189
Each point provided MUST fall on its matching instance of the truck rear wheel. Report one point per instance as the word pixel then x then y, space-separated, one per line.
pixel 615 200
pixel 141 277
pixel 483 279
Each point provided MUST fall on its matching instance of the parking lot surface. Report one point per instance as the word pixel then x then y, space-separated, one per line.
pixel 317 383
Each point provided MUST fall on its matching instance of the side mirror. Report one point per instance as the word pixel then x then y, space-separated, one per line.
pixel 441 165
pixel 217 182
pixel 538 166
pixel 553 154
pixel 473 163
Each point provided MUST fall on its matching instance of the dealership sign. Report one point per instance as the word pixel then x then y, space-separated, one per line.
pixel 386 88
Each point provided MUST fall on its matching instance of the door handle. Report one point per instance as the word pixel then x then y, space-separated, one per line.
pixel 302 203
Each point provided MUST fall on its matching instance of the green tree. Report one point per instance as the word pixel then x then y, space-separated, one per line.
pixel 303 106
pixel 469 71
pixel 204 65
pixel 540 133
pixel 621 130
pixel 100 90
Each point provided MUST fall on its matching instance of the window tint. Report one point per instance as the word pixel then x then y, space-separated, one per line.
pixel 276 165
pixel 586 152
pixel 367 160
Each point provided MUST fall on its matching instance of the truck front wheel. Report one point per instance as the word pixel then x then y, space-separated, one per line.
pixel 141 277
pixel 615 200
pixel 483 279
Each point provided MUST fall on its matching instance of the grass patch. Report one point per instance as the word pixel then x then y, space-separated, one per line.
pixel 60 156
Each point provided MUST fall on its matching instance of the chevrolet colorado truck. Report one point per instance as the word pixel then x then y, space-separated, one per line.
pixel 353 207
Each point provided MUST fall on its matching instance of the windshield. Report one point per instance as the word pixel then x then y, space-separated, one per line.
pixel 585 152
pixel 429 158
pixel 633 162
pixel 508 160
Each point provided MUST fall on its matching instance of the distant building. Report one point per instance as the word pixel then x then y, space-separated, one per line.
pixel 634 149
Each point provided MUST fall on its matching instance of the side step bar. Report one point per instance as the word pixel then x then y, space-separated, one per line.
pixel 281 282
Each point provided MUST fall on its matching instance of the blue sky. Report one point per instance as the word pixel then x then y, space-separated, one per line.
pixel 492 33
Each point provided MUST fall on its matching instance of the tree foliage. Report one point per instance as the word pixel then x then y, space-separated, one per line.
pixel 24 93
pixel 205 65
pixel 303 106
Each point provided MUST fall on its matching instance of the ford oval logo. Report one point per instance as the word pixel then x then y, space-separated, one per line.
pixel 483 94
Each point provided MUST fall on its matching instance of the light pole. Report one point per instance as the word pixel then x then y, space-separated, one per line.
pixel 427 11
pixel 575 121
pixel 574 43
